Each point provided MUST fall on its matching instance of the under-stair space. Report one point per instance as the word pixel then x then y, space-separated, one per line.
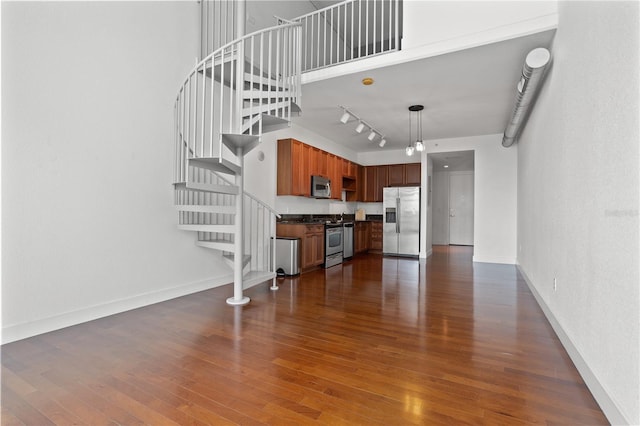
pixel 240 91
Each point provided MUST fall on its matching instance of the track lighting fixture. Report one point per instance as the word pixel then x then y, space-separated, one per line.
pixel 344 119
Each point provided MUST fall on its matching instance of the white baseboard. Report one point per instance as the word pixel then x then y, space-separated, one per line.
pixel 494 259
pixel 22 331
pixel 608 405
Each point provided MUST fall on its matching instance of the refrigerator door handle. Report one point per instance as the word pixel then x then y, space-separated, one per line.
pixel 398 215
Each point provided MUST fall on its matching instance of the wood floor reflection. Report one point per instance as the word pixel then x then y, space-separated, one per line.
pixel 377 340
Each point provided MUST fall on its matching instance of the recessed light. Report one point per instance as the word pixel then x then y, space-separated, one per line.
pixel 367 81
pixel 446 166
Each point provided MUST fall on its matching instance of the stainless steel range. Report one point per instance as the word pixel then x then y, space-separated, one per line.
pixel 333 244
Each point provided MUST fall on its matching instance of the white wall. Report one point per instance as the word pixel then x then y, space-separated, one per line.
pixel 88 226
pixel 431 22
pixel 429 202
pixel 495 195
pixel 578 199
pixel 440 210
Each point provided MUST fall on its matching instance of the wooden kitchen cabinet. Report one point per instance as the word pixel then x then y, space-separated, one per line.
pixel 362 236
pixel 297 162
pixel 412 174
pixel 311 242
pixel 313 246
pixel 376 236
pixel 293 174
pixel 374 181
pixel 395 176
pixel 335 174
pixel 376 178
pixel 403 174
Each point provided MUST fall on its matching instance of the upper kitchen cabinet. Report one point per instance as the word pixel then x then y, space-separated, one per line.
pixel 403 174
pixel 412 174
pixel 319 162
pixel 395 174
pixel 334 164
pixel 375 179
pixel 294 176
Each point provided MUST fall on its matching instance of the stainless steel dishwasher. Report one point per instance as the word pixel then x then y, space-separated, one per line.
pixel 347 248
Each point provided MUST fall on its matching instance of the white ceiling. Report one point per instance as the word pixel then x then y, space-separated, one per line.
pixel 465 93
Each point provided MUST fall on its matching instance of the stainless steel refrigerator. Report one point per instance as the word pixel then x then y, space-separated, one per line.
pixel 401 221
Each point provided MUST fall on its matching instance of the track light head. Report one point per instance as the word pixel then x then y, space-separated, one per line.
pixel 372 135
pixel 382 142
pixel 345 117
pixel 360 127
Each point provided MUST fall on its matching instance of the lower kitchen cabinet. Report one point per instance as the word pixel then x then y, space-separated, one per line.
pixel 362 236
pixel 311 242
pixel 376 236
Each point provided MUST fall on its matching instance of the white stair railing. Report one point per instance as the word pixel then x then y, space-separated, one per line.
pixel 230 91
pixel 259 219
pixel 349 31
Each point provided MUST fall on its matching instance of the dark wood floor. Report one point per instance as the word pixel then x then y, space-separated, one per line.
pixel 375 341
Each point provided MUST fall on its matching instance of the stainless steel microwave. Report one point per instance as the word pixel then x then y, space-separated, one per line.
pixel 320 187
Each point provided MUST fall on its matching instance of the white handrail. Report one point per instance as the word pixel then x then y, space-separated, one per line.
pixel 228 92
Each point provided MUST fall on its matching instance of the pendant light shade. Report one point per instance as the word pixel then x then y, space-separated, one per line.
pixel 418 144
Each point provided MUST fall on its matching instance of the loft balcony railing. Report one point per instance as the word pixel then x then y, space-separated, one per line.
pixel 349 31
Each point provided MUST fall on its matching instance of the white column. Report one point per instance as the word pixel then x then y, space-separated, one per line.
pixel 238 257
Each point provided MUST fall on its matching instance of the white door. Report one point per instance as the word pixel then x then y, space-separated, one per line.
pixel 461 208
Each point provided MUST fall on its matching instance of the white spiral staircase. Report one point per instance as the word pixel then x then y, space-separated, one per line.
pixel 240 91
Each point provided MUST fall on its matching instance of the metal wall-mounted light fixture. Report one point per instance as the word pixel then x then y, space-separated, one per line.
pixel 373 133
pixel 418 144
pixel 532 73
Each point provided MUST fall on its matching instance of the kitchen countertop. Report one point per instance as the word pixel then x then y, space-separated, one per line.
pixel 310 219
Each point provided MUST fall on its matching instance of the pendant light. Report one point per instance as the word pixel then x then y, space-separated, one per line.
pixel 418 145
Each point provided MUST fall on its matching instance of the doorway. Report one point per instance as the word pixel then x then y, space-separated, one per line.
pixel 453 198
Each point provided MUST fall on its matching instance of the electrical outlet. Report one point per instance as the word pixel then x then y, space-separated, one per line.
pixel 555 283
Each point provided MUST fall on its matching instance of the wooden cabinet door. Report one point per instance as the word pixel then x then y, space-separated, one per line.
pixel 335 174
pixel 376 236
pixel 412 174
pixel 395 175
pixel 308 249
pixel 360 179
pixel 323 157
pixel 293 176
pixel 345 167
pixel 381 182
pixel 319 248
pixel 301 181
pixel 370 183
